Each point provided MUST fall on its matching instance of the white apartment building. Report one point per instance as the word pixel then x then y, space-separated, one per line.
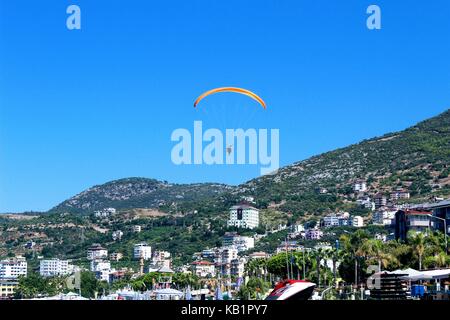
pixel 208 254
pixel 96 252
pixel 336 219
pixel 160 255
pixel 313 234
pixel 330 221
pixel 289 246
pixel 238 267
pixel 229 254
pixel 248 199
pixel 241 243
pixel 243 216
pixel 360 186
pixel 203 269
pixel 161 259
pixel 226 254
pixel 7 288
pixel 358 221
pixel 116 256
pixel 117 235
pixel 13 268
pixel 142 250
pixel 366 202
pixel 137 229
pixel 54 267
pixel 384 217
pixel 399 194
pixel 101 269
pixel 102 275
pixel 380 200
pixel 104 213
pixel 258 255
pixel 100 265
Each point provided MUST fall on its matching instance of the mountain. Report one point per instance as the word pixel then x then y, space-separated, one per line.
pixel 416 159
pixel 133 193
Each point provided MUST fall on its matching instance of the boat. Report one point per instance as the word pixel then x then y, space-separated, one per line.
pixel 292 290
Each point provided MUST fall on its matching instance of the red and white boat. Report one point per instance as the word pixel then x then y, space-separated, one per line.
pixel 292 290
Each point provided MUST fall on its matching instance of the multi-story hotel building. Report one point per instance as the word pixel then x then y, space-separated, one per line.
pixel 142 250
pixel 55 267
pixel 96 251
pixel 13 268
pixel 244 216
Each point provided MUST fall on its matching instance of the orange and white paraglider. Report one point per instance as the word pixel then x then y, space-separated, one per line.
pixel 246 92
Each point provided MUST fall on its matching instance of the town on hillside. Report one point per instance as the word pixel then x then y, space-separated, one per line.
pixel 337 256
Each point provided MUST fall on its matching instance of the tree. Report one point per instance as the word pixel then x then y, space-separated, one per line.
pixel 439 260
pixel 374 250
pixel 352 244
pixel 318 256
pixel 256 268
pixel 418 246
pixel 335 256
pixel 182 280
pixel 89 284
pixel 303 260
pixel 277 265
pixel 34 285
pixel 255 288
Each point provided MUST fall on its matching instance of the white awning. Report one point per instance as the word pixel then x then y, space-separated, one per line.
pixel 437 274
pixel 429 275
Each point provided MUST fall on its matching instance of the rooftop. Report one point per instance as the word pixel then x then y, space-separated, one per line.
pixel 202 263
pixel 243 206
pixel 416 212
pixel 96 246
pixel 440 204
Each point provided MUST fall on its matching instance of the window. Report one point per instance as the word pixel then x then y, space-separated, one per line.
pixel 239 214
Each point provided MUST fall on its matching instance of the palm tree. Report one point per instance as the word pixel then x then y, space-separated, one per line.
pixel 302 261
pixel 435 243
pixel 335 256
pixel 418 246
pixel 400 251
pixel 256 267
pixel 250 268
pixel 441 259
pixel 374 249
pixel 318 255
pixel 352 245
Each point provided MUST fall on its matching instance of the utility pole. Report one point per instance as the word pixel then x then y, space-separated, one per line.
pixel 287 259
pixel 141 265
pixel 292 264
pixel 304 266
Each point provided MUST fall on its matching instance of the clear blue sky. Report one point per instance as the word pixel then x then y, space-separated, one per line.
pixel 79 108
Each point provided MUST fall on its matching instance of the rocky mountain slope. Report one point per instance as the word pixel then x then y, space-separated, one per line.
pixel 416 159
pixel 132 193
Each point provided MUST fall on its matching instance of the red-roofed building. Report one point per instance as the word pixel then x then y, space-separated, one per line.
pixel 203 268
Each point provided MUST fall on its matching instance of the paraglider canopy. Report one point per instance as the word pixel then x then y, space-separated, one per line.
pixel 246 92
